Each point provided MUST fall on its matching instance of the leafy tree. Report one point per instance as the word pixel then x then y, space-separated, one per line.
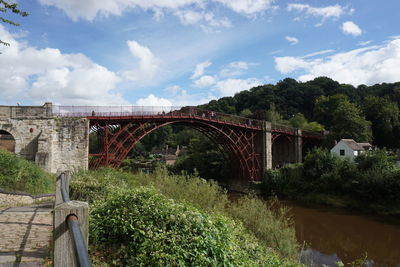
pixel 310 94
pixel 6 6
pixel 290 97
pixel 273 116
pixel 329 86
pixel 325 106
pixel 314 127
pixel 298 121
pixel 202 157
pixel 342 118
pixel 349 122
pixel 246 113
pixel 384 115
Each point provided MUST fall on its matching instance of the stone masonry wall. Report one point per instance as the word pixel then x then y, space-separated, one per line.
pixel 70 144
pixel 53 143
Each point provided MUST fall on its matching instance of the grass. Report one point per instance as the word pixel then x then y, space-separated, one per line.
pixel 272 226
pixel 20 175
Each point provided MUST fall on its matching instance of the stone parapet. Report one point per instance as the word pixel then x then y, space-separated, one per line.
pixel 25 112
pixel 51 142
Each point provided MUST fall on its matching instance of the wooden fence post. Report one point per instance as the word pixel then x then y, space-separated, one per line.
pixel 64 254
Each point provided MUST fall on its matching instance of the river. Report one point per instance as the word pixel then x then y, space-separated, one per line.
pixel 331 235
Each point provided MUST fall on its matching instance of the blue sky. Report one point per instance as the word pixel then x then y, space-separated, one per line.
pixel 187 52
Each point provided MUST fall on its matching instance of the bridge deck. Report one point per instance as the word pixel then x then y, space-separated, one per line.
pixel 158 113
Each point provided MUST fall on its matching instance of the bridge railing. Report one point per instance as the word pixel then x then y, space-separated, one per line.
pixel 283 128
pixel 311 134
pixel 70 227
pixel 109 111
pixel 165 111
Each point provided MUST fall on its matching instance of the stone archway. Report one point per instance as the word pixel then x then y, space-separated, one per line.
pixel 7 141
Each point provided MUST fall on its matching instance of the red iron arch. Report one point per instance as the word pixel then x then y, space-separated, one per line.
pixel 119 137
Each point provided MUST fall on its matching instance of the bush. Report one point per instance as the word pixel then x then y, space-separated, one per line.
pixel 319 162
pixel 285 181
pixel 207 196
pixel 141 227
pixel 97 184
pixel 380 160
pixel 20 175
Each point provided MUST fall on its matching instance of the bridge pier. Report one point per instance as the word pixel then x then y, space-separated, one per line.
pixel 298 146
pixel 264 147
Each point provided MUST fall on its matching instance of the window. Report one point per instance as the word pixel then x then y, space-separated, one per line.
pixel 341 152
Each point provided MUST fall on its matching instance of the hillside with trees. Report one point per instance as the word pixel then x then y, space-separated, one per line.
pixel 363 113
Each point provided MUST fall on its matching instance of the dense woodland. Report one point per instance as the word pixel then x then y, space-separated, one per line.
pixel 364 113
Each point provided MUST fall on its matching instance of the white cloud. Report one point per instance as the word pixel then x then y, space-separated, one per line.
pixel 207 20
pixel 335 11
pixel 90 9
pixel 39 75
pixel 179 97
pixel 368 65
pixel 292 40
pixel 248 7
pixel 229 87
pixel 152 100
pixel 351 28
pixel 364 43
pixel 183 98
pixel 286 65
pixel 173 89
pixel 189 17
pixel 200 68
pixel 318 53
pixel 148 64
pixel 205 81
pixel 236 68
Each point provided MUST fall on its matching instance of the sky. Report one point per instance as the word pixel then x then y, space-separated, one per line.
pixel 188 52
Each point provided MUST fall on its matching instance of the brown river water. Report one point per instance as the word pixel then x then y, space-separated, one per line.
pixel 332 235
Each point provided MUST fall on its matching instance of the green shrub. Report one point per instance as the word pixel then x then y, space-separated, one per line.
pixel 141 227
pixel 207 196
pixel 19 175
pixel 380 160
pixel 97 184
pixel 271 181
pixel 319 162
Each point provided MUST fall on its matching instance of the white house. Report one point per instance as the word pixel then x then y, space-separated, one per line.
pixel 350 148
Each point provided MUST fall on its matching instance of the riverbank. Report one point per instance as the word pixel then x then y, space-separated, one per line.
pixel 370 183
